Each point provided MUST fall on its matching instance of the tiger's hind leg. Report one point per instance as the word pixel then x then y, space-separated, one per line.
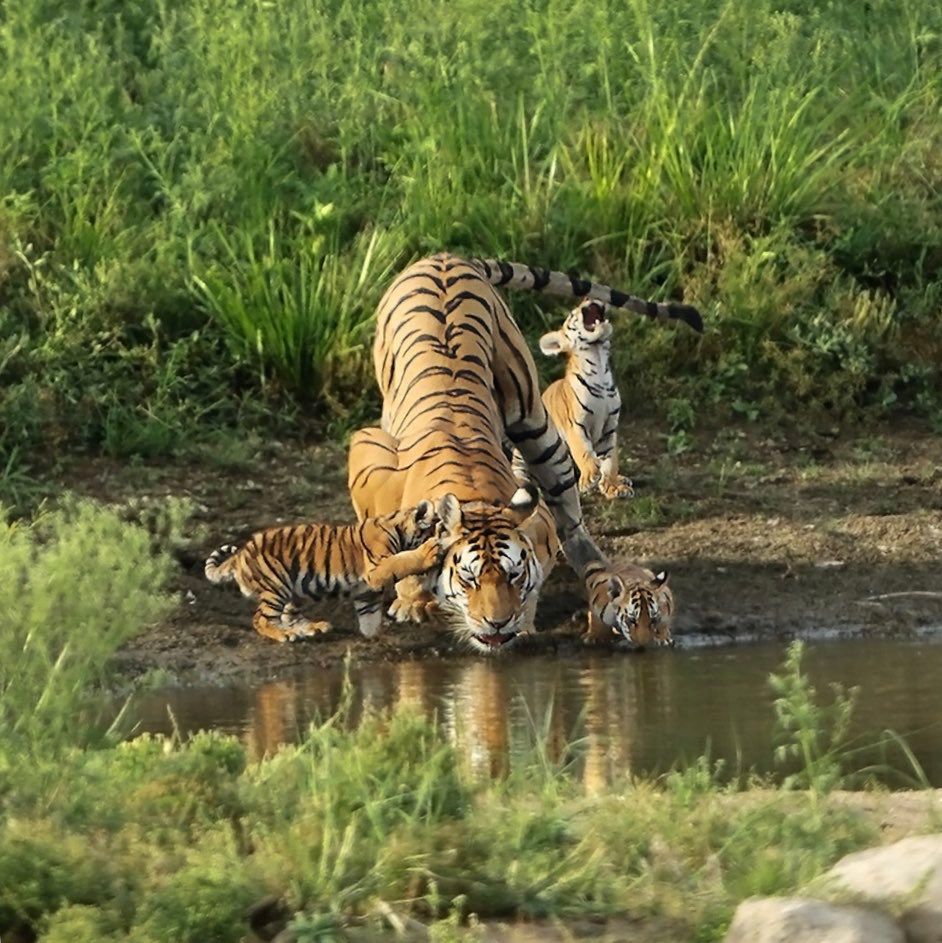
pixel 277 617
pixel 530 428
pixel 372 470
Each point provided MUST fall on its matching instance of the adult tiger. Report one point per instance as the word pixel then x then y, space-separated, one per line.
pixel 456 375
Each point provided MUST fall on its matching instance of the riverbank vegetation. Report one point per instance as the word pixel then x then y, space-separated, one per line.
pixel 200 209
pixel 155 838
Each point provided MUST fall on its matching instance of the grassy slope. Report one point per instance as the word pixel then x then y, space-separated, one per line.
pixel 201 204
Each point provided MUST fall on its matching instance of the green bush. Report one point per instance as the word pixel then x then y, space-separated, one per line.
pixel 42 871
pixel 78 923
pixel 74 585
pixel 206 901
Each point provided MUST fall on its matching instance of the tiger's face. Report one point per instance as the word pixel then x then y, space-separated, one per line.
pixel 641 611
pixel 585 326
pixel 490 574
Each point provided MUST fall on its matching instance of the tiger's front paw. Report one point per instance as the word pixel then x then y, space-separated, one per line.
pixel 304 628
pixel 589 474
pixel 414 609
pixel 617 487
pixel 595 632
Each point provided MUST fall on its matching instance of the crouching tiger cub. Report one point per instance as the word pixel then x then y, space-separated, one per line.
pixel 280 565
pixel 629 600
pixel 585 403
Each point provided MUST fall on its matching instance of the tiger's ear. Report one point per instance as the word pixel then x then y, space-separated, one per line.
pixel 661 578
pixel 616 586
pixel 449 511
pixel 554 343
pixel 524 503
pixel 424 514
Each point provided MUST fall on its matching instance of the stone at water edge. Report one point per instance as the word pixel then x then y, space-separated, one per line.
pixel 802 920
pixel 908 872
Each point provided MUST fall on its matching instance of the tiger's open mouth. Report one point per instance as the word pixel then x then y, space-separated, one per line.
pixel 495 639
pixel 592 316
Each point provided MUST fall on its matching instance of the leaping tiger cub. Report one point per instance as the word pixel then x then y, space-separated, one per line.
pixel 585 403
pixel 456 377
pixel 280 565
pixel 629 600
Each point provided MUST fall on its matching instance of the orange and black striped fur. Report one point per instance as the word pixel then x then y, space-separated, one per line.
pixel 585 403
pixel 456 378
pixel 631 601
pixel 282 565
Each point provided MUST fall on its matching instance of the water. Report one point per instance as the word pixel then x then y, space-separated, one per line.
pixel 642 713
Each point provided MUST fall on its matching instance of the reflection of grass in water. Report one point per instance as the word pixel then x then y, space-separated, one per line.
pixel 173 838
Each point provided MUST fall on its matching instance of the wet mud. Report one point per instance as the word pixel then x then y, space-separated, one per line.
pixel 825 533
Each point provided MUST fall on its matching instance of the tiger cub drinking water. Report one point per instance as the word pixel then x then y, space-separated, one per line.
pixel 585 403
pixel 280 565
pixel 635 602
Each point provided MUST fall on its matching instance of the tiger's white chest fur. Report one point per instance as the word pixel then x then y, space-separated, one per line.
pixel 596 400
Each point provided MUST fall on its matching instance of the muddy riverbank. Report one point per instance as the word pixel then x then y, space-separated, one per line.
pixel 764 537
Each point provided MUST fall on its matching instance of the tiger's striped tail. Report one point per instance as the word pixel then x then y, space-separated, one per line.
pixel 530 278
pixel 220 564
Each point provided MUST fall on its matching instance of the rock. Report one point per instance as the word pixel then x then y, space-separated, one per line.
pixel 908 872
pixel 802 920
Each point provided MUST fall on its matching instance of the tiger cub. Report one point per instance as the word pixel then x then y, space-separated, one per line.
pixel 585 403
pixel 282 564
pixel 635 602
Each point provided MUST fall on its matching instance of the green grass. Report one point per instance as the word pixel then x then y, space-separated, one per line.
pixel 201 209
pixel 73 586
pixel 158 839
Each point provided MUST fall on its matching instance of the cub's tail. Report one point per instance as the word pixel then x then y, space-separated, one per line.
pixel 530 278
pixel 220 564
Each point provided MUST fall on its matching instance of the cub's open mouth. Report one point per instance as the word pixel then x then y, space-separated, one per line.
pixel 496 639
pixel 592 315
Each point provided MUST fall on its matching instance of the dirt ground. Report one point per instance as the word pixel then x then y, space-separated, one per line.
pixel 826 532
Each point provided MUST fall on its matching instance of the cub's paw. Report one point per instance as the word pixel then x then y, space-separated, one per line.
pixel 431 554
pixel 375 581
pixel 618 487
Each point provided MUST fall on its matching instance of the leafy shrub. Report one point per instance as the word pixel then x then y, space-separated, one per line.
pixel 810 734
pixel 74 585
pixel 206 901
pixel 42 870
pixel 80 923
